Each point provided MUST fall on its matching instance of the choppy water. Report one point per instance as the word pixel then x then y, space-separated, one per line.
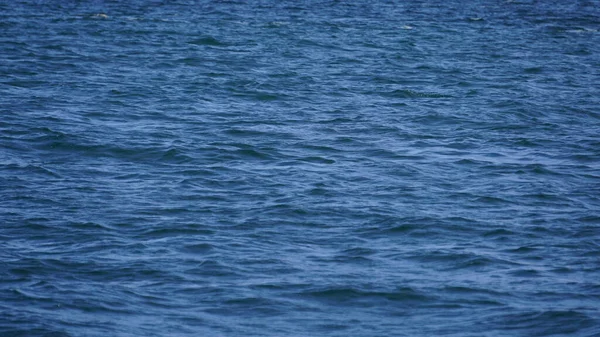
pixel 299 168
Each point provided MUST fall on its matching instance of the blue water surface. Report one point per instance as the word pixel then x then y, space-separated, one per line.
pixel 299 168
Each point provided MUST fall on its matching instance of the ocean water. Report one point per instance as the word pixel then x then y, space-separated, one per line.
pixel 299 168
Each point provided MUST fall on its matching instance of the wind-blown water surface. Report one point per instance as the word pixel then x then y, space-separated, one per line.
pixel 299 168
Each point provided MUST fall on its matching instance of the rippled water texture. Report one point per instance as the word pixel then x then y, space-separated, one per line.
pixel 299 168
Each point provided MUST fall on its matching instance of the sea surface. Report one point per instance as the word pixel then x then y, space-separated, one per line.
pixel 299 168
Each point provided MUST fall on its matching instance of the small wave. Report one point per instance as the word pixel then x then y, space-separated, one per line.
pixel 262 96
pixel 500 232
pixel 33 170
pixel 100 16
pixel 251 154
pixel 471 290
pixel 408 93
pixel 187 231
pixel 582 30
pixel 525 273
pixel 212 268
pixel 521 250
pixel 207 41
pixel 317 160
pixel 350 294
pixel 404 228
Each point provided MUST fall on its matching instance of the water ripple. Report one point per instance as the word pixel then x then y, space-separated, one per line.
pixel 332 168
